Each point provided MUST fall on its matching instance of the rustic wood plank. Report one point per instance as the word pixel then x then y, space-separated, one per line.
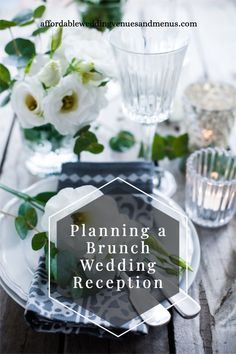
pixel 17 337
pixel 213 331
pixel 155 341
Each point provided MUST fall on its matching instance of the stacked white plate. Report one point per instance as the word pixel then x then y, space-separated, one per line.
pixel 18 261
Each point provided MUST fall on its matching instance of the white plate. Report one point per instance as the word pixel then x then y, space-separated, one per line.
pixel 18 261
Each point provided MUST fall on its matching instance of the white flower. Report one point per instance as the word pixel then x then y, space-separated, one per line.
pixel 38 62
pixel 90 45
pixel 71 105
pixel 67 197
pixel 27 103
pixel 50 74
pixel 81 205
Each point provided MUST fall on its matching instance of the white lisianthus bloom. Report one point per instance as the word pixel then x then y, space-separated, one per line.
pixel 66 197
pixel 92 46
pixel 81 206
pixel 69 198
pixel 27 103
pixel 71 105
pixel 50 74
pixel 38 62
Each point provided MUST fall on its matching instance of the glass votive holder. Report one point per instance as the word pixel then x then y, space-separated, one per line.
pixel 210 113
pixel 211 187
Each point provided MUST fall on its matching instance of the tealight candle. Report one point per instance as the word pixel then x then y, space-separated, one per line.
pixel 211 187
pixel 210 113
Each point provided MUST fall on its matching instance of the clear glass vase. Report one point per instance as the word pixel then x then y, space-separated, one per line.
pixel 46 150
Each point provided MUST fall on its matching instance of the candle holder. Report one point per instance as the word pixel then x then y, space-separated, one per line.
pixel 211 187
pixel 210 111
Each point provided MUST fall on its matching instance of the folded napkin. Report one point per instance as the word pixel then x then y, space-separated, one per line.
pixel 47 315
pixel 139 174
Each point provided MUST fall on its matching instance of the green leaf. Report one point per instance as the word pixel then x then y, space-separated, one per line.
pixel 5 100
pixel 56 40
pixel 169 146
pixel 23 208
pixel 95 148
pixel 141 153
pixel 28 65
pixel 82 144
pixel 3 86
pixel 44 197
pixel 27 23
pixel 29 214
pixel 39 240
pixel 180 145
pixel 39 11
pixel 21 227
pixel 23 17
pixel 20 50
pixel 53 264
pixel 158 148
pixel 31 134
pixel 87 141
pixel 180 262
pixel 123 141
pixel 156 245
pixel 6 24
pixel 53 267
pixel 40 30
pixel 103 83
pixel 82 130
pixel 171 271
pixel 31 218
pixel 4 74
pixel 5 78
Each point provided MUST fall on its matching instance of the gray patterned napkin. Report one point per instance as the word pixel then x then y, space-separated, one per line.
pixel 46 315
pixel 139 174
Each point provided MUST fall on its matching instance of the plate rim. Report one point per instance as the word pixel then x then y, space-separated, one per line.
pixel 195 261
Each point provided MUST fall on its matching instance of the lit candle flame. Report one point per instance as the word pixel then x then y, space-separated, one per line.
pixel 214 175
pixel 207 134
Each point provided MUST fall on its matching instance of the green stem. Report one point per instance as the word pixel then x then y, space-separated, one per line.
pixel 27 198
pixel 14 43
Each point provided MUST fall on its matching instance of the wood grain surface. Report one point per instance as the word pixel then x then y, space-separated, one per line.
pixel 212 55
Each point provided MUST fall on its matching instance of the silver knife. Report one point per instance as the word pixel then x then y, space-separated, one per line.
pixel 158 315
pixel 183 303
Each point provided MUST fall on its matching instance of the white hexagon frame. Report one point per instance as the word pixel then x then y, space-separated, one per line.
pixel 172 211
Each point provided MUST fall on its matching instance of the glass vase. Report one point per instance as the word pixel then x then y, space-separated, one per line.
pixel 46 150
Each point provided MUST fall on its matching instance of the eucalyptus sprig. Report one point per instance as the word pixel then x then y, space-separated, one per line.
pixel 27 220
pixel 165 258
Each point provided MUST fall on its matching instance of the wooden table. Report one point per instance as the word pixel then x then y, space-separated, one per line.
pixel 212 55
